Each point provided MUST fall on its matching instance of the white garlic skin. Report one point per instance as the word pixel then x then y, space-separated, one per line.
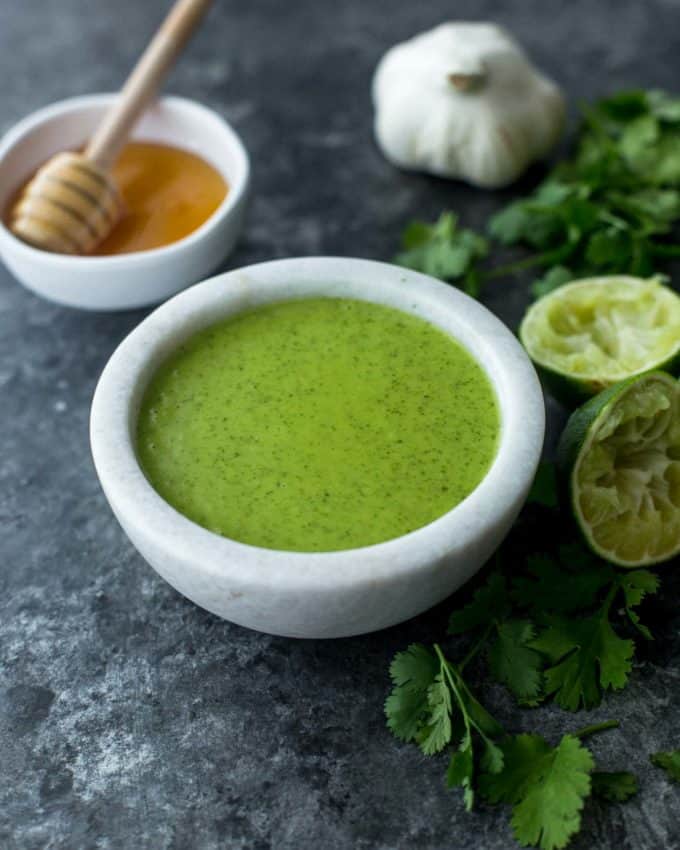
pixel 462 100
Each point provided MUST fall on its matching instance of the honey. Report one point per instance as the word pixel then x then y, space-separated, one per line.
pixel 168 193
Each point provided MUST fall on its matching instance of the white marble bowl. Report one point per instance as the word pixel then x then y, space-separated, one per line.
pixel 123 281
pixel 330 594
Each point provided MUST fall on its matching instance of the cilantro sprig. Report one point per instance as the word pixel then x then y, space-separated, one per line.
pixel 546 786
pixel 551 622
pixel 669 761
pixel 444 250
pixel 613 786
pixel 432 705
pixel 552 631
pixel 610 208
pixel 507 639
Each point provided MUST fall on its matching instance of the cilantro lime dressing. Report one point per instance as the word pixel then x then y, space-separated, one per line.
pixel 317 425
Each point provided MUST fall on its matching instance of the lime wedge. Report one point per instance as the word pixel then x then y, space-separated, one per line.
pixel 620 453
pixel 592 333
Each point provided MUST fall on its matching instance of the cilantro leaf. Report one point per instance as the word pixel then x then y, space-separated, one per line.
pixel 460 771
pixel 475 719
pixel 643 133
pixel 492 759
pixel 585 654
pixel 635 585
pixel 555 277
pixel 511 660
pixel 669 761
pixel 586 657
pixel 623 106
pixel 657 206
pixel 435 734
pixel 638 136
pixel 444 250
pixel 607 247
pixel 490 602
pixel 550 810
pixel 477 716
pixel 419 707
pixel 512 224
pixel 548 587
pixel 615 787
pixel 545 785
pixel 431 704
pixel 412 673
pixel 634 617
pixel 666 107
pixel 415 668
pixel 514 663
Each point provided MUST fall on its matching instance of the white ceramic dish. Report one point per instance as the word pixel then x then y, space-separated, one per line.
pixel 127 280
pixel 330 594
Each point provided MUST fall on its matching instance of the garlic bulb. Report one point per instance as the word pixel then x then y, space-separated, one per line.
pixel 463 100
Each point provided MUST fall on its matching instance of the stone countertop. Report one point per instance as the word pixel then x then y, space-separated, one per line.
pixel 129 717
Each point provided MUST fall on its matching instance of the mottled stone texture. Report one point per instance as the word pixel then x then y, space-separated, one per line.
pixel 129 718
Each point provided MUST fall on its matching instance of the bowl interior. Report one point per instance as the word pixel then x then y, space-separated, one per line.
pixel 70 124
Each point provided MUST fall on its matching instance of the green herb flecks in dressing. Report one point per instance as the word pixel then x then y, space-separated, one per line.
pixel 317 425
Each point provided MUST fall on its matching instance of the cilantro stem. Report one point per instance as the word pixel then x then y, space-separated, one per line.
pixel 548 258
pixel 520 265
pixel 461 691
pixel 587 731
pixel 664 250
pixel 446 668
pixel 609 598
pixel 476 646
pixel 448 672
pixel 440 655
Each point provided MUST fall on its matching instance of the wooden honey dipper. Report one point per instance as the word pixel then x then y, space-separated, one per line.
pixel 72 202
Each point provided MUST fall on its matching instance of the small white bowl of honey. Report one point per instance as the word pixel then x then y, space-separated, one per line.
pixel 183 177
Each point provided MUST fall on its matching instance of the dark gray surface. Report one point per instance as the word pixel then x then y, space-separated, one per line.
pixel 129 718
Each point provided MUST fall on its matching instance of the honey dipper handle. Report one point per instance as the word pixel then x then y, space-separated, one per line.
pixel 144 81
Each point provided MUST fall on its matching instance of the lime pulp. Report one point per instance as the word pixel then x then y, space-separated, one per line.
pixel 590 334
pixel 621 452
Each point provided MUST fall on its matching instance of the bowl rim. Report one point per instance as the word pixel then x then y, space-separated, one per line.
pixel 137 504
pixel 238 183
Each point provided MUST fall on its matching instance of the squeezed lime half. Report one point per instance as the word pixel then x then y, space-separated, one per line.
pixel 620 453
pixel 592 333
